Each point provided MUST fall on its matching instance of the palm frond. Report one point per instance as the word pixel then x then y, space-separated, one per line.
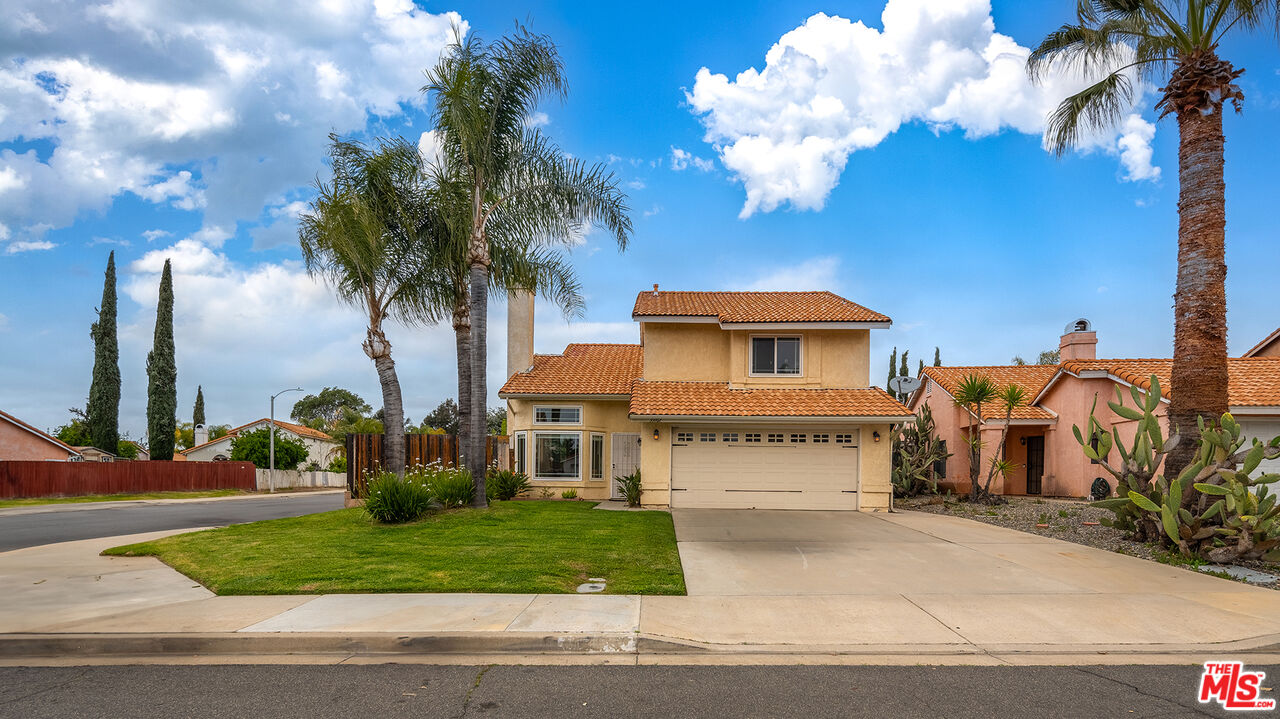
pixel 1099 106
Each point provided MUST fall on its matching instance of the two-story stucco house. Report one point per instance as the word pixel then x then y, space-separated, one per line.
pixel 731 399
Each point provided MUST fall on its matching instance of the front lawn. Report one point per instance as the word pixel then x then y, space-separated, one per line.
pixel 511 547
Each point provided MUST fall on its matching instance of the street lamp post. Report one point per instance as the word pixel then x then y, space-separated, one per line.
pixel 271 473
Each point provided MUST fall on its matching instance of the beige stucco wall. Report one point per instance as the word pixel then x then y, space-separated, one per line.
pixel 875 466
pixel 702 352
pixel 599 416
pixel 16 443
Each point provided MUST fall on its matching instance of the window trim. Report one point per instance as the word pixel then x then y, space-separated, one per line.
pixel 537 407
pixel 522 451
pixel 751 365
pixel 533 449
pixel 591 451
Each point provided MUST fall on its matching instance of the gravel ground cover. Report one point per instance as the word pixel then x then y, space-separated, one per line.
pixel 1066 520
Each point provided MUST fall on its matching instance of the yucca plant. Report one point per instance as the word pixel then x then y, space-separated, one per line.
pixel 974 391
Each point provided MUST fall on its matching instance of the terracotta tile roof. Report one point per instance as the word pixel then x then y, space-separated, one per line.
pixel 42 435
pixel 754 307
pixel 717 399
pixel 298 429
pixel 1031 378
pixel 583 369
pixel 1251 381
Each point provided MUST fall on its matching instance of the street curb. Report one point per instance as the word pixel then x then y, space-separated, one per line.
pixel 125 503
pixel 389 644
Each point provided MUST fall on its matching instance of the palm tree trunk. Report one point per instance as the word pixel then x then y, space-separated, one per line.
pixel 1200 303
pixel 379 350
pixel 479 386
pixel 462 336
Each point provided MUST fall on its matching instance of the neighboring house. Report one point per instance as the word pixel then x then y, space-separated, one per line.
pixel 21 441
pixel 731 399
pixel 1048 460
pixel 1268 347
pixel 93 454
pixel 321 448
pixel 143 454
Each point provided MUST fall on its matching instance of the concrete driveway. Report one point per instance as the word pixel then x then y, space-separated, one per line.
pixel 936 579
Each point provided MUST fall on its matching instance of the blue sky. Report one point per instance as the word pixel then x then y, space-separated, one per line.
pixel 851 158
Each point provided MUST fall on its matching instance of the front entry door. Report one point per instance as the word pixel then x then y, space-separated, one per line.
pixel 625 458
pixel 1035 464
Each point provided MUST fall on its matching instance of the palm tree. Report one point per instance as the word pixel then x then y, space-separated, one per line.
pixel 483 96
pixel 973 392
pixel 363 234
pixel 514 265
pixel 1174 42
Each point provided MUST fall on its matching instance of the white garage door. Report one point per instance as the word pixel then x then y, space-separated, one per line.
pixel 1265 430
pixel 764 468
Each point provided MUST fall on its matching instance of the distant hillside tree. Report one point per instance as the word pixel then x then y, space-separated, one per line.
pixel 937 357
pixel 1048 357
pixel 197 415
pixel 255 447
pixel 444 416
pixel 893 370
pixel 104 390
pixel 162 375
pixel 328 407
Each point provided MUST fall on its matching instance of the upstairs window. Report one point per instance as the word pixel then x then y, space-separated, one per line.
pixel 775 355
pixel 557 415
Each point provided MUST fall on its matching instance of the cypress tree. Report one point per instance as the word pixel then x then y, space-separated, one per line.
pixel 937 357
pixel 104 390
pixel 893 370
pixel 920 371
pixel 903 371
pixel 197 417
pixel 162 376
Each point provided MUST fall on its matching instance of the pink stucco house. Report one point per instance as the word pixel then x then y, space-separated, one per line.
pixel 1040 441
pixel 21 441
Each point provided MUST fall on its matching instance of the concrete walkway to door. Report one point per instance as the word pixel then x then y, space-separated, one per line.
pixel 916 577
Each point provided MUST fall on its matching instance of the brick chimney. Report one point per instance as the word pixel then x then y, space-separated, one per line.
pixel 519 331
pixel 1079 342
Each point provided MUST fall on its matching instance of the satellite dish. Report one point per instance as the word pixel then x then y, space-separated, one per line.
pixel 904 385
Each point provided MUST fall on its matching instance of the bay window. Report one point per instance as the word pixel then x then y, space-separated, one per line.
pixel 557 455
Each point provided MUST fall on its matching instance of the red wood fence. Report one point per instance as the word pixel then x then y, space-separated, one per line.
pixel 364 454
pixel 52 479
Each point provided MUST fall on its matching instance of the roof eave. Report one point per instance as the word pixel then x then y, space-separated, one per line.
pixel 781 324
pixel 564 395
pixel 797 419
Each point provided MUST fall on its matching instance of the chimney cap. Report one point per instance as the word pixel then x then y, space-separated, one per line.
pixel 1080 325
pixel 655 288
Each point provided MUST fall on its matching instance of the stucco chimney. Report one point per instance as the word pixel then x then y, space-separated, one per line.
pixel 1079 342
pixel 519 331
pixel 200 435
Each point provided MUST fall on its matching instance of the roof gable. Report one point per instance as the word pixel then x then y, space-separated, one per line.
pixel 751 307
pixel 5 416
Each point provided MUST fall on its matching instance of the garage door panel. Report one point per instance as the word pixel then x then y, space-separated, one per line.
pixel 786 475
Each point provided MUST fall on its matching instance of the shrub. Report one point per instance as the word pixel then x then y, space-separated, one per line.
pixel 630 486
pixel 504 484
pixel 255 447
pixel 339 464
pixel 569 494
pixel 449 486
pixel 393 500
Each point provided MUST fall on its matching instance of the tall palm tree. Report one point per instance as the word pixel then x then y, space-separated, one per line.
pixel 363 234
pixel 515 264
pixel 483 96
pixel 1174 42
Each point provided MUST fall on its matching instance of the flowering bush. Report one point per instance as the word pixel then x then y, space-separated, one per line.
pixel 393 500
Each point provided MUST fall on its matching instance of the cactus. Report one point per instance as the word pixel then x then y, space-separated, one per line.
pixel 1242 523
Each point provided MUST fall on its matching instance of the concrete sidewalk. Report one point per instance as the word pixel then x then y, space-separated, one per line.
pixel 66 599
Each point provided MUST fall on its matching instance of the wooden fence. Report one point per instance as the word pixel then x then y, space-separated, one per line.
pixel 364 454
pixel 67 479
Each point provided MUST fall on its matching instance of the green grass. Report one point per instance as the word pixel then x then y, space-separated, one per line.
pixel 511 547
pixel 119 497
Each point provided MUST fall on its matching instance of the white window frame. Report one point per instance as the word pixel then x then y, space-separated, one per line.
pixel 557 406
pixel 591 455
pixel 533 453
pixel 522 452
pixel 751 358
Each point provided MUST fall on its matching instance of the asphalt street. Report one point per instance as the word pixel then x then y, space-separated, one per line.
pixel 68 523
pixel 386 691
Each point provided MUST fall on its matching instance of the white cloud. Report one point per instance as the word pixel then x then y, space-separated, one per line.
pixel 682 159
pixel 429 147
pixel 220 107
pixel 153 235
pixel 107 241
pixel 833 86
pixel 14 248
pixel 652 211
pixel 537 119
pixel 1135 149
pixel 819 273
